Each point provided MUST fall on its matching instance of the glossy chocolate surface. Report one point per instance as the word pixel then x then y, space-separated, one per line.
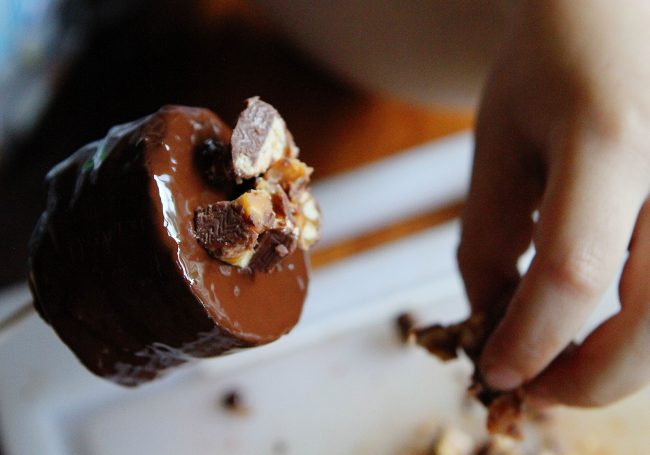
pixel 115 267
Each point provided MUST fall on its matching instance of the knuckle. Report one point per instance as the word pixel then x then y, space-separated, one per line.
pixel 617 124
pixel 534 356
pixel 615 131
pixel 578 274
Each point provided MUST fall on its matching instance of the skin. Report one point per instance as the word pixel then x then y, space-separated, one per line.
pixel 562 160
pixel 563 132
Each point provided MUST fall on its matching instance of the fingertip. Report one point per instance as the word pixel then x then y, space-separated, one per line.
pixel 502 377
pixel 496 365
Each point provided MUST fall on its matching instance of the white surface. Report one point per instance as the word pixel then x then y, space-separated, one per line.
pixel 47 400
pixel 49 404
pixel 415 181
pixel 338 384
pixel 351 393
pixel 12 301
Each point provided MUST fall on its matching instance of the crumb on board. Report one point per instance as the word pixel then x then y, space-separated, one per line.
pixel 232 401
pixel 404 324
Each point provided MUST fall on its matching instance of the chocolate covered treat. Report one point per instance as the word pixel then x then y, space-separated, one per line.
pixel 175 238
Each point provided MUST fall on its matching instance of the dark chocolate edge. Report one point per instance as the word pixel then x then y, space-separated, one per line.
pixel 44 243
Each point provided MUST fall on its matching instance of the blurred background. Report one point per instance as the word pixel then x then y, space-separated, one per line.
pixel 359 83
pixel 69 70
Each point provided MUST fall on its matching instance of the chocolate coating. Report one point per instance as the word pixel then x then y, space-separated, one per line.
pixel 115 267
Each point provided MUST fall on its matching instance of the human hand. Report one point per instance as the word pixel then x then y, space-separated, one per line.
pixel 564 129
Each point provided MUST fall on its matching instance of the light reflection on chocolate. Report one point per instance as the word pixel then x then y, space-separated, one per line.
pixel 188 190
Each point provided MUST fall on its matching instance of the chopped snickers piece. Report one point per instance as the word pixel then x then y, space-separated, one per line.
pixel 273 247
pixel 439 340
pixel 223 230
pixel 262 149
pixel 259 139
pixel 291 174
pixel 505 413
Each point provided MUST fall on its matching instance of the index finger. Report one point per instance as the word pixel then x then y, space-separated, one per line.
pixel 497 220
pixel 586 221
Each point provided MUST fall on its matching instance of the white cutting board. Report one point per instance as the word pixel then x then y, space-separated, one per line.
pixel 325 388
pixel 340 383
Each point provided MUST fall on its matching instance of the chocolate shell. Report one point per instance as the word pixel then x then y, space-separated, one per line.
pixel 115 266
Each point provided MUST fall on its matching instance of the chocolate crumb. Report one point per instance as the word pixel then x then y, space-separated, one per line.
pixel 504 414
pixel 404 323
pixel 439 340
pixel 233 401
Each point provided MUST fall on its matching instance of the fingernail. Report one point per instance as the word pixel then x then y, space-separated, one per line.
pixel 503 378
